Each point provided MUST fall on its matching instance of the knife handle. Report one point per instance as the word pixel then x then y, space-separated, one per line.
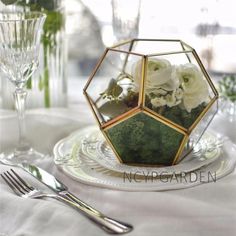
pixel 108 224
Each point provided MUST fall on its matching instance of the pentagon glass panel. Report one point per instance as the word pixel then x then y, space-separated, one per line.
pixel 112 91
pixel 176 88
pixel 199 130
pixel 157 46
pixel 142 139
pixel 203 125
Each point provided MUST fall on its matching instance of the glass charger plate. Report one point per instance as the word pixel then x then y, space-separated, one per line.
pixel 90 143
pixel 91 172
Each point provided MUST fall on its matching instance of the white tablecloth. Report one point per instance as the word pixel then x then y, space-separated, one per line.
pixel 205 210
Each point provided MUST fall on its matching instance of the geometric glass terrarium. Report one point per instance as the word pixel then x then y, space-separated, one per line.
pixel 153 102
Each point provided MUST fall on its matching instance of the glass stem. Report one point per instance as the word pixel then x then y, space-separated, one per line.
pixel 20 99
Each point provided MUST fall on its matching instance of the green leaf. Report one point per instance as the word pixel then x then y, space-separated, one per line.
pixel 54 22
pixel 114 89
pixel 113 108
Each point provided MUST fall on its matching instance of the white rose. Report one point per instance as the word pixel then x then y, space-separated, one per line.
pixel 160 74
pixel 194 86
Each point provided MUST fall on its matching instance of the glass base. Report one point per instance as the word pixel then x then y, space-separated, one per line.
pixel 16 157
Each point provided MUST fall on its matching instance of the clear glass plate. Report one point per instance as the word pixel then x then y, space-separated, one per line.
pixel 89 143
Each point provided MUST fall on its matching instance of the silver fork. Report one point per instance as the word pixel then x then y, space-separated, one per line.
pixel 23 189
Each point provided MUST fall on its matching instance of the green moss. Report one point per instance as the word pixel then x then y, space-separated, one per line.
pixel 144 140
pixel 178 115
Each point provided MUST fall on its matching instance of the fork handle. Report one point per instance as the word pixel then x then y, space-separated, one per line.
pixel 109 225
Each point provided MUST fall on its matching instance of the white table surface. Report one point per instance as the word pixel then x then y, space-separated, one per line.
pixel 208 209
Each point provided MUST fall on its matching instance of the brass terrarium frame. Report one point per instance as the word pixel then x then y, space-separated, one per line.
pixel 141 108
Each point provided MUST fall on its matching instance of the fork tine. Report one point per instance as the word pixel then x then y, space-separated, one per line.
pixel 11 184
pixel 22 181
pixel 17 182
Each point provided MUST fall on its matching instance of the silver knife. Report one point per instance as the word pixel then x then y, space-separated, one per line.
pixel 108 224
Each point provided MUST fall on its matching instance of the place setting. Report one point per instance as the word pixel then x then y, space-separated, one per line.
pixel 154 107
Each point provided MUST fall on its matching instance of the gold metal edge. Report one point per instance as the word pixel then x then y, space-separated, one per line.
pixel 95 69
pixel 186 154
pixel 180 131
pixel 111 145
pixel 103 129
pixel 123 51
pixel 205 73
pixel 121 43
pixel 144 165
pixel 127 163
pixel 121 118
pixel 112 125
pixel 181 43
pixel 131 45
pixel 187 45
pixel 164 120
pixel 180 150
pixel 127 56
pixel 183 142
pixel 91 107
pixel 158 40
pixel 168 53
pixel 141 92
pixel 94 107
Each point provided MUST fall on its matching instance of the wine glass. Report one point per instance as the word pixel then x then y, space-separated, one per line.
pixel 19 51
pixel 125 19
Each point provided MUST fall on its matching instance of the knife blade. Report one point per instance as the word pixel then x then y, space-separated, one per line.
pixel 44 177
pixel 54 184
pixel 108 224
